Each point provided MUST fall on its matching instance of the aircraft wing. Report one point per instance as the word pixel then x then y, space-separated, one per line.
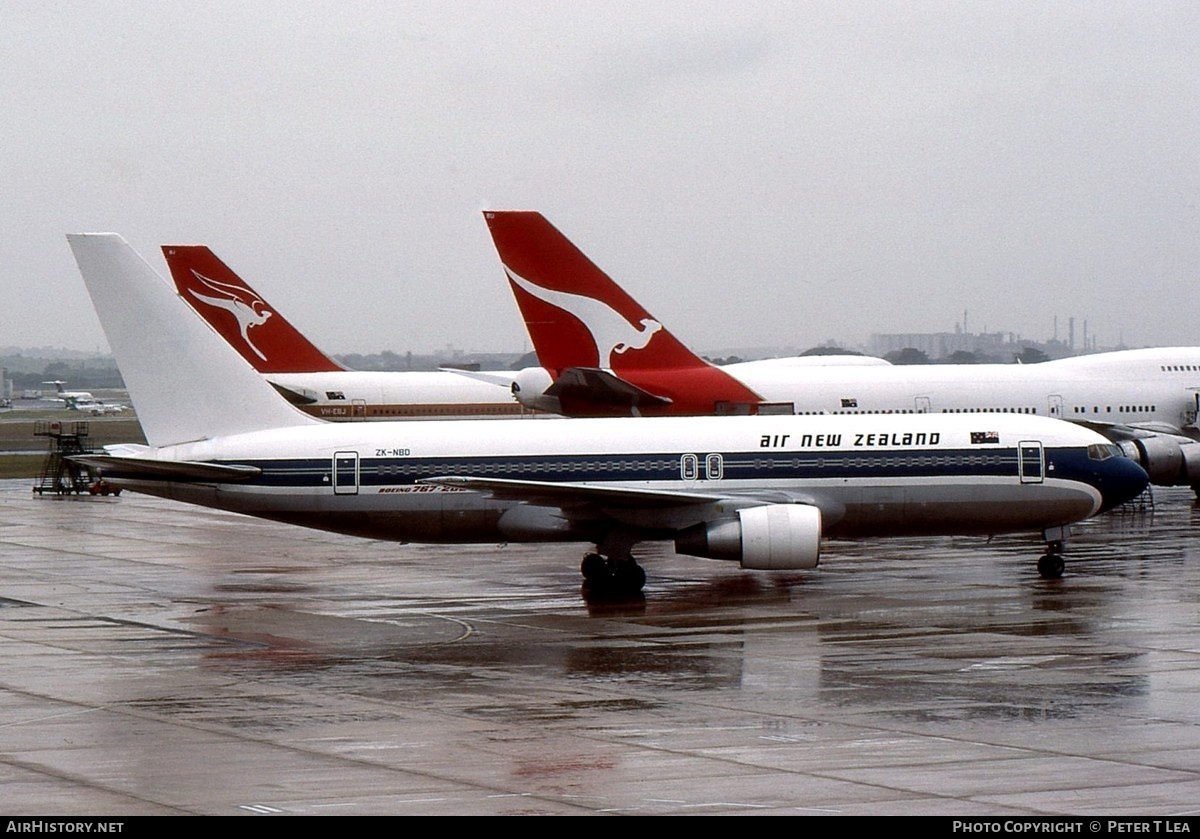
pixel 1117 432
pixel 559 494
pixel 646 507
pixel 145 469
pixel 1161 428
pixel 596 386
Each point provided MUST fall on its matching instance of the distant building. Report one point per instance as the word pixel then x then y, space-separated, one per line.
pixel 938 345
pixel 1001 347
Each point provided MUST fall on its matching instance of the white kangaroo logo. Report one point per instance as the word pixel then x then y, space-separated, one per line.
pixel 249 309
pixel 609 329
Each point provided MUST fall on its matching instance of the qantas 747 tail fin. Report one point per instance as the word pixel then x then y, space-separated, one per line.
pixel 604 353
pixel 186 383
pixel 576 315
pixel 241 316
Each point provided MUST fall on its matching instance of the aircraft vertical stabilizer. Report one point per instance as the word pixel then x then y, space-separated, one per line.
pixel 603 352
pixel 576 314
pixel 242 317
pixel 185 381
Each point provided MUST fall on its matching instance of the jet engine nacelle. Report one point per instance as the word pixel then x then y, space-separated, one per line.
pixel 774 537
pixel 1168 460
pixel 529 388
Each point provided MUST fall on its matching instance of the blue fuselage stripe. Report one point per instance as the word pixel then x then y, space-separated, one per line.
pixel 1066 462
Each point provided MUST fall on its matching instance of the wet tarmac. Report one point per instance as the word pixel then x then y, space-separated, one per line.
pixel 160 658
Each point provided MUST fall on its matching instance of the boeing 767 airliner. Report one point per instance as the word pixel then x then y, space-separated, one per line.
pixel 758 490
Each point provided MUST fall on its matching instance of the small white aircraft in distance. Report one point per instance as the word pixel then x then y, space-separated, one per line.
pixel 761 491
pixel 603 354
pixel 82 400
pixel 307 377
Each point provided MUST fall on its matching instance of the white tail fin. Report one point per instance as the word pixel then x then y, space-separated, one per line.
pixel 185 381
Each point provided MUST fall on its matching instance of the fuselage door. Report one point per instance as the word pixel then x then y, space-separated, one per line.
pixel 1055 403
pixel 1031 461
pixel 922 404
pixel 345 473
pixel 358 408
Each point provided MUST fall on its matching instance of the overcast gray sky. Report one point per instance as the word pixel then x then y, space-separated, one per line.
pixel 775 173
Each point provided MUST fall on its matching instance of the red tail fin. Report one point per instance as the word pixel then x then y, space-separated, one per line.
pixel 240 315
pixel 578 317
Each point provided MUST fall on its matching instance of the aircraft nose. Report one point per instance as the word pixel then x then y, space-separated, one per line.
pixel 1120 480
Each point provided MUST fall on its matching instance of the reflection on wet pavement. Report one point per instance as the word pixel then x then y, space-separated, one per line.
pixel 163 658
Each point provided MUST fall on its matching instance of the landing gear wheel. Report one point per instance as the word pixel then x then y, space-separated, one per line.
pixel 594 567
pixel 629 577
pixel 603 575
pixel 1051 566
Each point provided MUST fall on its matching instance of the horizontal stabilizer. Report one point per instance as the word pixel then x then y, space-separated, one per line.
pixel 601 387
pixel 293 396
pixel 499 378
pixel 145 469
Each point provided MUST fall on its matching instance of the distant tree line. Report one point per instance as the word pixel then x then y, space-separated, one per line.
pixel 388 361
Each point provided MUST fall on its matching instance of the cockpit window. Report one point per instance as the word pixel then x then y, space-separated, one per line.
pixel 1103 451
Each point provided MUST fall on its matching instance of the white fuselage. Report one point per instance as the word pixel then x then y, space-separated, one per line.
pixel 1129 387
pixel 368 395
pixel 867 475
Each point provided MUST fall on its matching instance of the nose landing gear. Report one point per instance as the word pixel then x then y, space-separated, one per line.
pixel 1051 563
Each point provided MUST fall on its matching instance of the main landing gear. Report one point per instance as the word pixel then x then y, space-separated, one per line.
pixel 611 569
pixel 605 575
